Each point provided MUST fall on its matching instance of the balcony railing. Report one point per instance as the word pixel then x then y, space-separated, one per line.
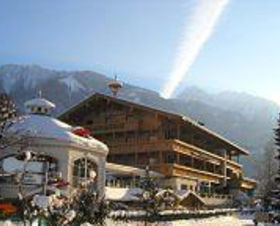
pixel 173 145
pixel 248 183
pixel 187 172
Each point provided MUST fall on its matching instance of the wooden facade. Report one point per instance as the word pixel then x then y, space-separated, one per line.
pixel 169 143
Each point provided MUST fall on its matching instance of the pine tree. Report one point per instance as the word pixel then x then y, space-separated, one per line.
pixel 277 178
pixel 89 209
pixel 148 197
pixel 266 171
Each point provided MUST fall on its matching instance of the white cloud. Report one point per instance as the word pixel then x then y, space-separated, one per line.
pixel 203 19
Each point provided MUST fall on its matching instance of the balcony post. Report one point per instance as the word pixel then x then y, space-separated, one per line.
pixel 204 165
pixel 192 161
pixel 178 131
pixel 177 158
pixel 160 157
pixel 135 157
pixel 214 168
pixel 225 167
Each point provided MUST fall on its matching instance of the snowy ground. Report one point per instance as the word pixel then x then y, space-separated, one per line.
pixel 212 221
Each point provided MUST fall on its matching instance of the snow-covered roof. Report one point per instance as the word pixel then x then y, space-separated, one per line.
pixel 162 192
pixel 122 194
pixel 43 126
pixel 185 194
pixel 39 102
pixel 128 170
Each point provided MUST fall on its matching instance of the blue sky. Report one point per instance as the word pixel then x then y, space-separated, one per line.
pixel 139 40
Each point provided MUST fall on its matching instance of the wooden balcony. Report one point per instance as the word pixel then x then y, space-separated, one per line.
pixel 234 166
pixel 195 151
pixel 115 126
pixel 248 183
pixel 187 172
pixel 178 147
pixel 140 146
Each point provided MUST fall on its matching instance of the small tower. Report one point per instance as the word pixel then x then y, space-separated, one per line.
pixel 39 106
pixel 115 86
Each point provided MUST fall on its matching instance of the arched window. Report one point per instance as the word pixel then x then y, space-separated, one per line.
pixel 81 170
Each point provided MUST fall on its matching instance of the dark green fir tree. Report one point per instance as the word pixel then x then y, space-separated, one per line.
pixel 276 199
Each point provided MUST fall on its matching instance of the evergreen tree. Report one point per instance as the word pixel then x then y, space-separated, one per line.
pixel 277 178
pixel 267 169
pixel 148 197
pixel 154 198
pixel 89 209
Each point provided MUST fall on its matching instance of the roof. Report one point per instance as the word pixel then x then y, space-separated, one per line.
pixel 182 118
pixel 41 102
pixel 168 192
pixel 186 194
pixel 122 194
pixel 129 170
pixel 132 194
pixel 43 126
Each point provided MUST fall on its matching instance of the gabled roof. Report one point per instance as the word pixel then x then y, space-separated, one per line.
pixel 187 194
pixel 181 118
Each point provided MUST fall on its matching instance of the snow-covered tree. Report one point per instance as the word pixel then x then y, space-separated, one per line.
pixel 82 207
pixel 148 197
pixel 89 209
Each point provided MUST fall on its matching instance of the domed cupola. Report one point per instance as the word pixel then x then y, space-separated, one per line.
pixel 39 106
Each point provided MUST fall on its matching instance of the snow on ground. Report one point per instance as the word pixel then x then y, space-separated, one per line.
pixel 215 221
pixel 212 221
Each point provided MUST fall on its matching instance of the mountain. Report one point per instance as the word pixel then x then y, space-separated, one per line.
pixel 241 117
pixel 245 119
pixel 65 88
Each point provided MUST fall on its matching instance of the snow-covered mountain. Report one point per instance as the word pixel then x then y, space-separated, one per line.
pixel 65 88
pixel 243 118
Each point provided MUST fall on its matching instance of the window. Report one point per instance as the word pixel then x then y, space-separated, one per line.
pixel 185 160
pixel 170 157
pixel 184 187
pixel 81 170
pixel 89 122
